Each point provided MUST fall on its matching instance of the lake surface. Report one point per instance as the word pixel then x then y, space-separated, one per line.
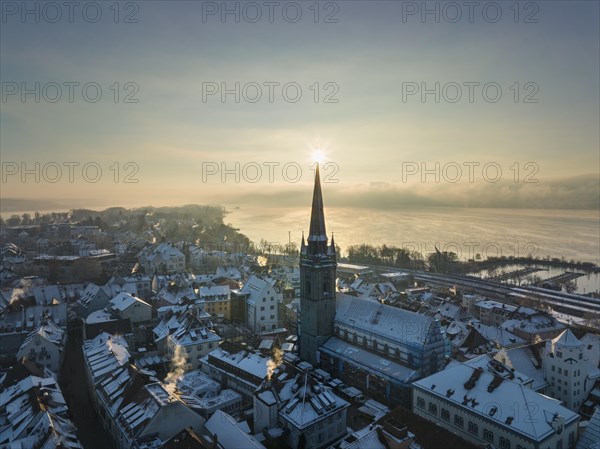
pixel 568 234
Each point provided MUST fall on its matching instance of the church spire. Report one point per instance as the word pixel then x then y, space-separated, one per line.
pixel 317 236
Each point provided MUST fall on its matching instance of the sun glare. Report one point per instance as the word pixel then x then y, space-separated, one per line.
pixel 318 156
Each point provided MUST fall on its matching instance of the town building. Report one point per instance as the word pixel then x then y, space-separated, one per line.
pixel 262 304
pixel 376 347
pixel 571 369
pixel 45 346
pixel 241 371
pixel 217 300
pixel 163 258
pixel 492 313
pixel 306 414
pixel 484 408
pixel 34 414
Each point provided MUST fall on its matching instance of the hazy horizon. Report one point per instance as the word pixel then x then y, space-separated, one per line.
pixel 513 121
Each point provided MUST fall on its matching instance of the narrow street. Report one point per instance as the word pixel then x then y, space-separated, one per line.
pixel 75 390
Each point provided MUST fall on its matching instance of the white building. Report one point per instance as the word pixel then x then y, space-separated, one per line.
pixel 484 408
pixel 570 369
pixel 126 306
pixel 311 415
pixel 192 342
pixel 164 258
pixel 45 346
pixel 241 371
pixel 493 313
pixel 262 310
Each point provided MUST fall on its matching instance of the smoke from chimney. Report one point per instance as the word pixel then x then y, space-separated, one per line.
pixel 274 362
pixel 178 364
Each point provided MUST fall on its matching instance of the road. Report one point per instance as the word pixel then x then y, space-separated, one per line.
pixel 75 389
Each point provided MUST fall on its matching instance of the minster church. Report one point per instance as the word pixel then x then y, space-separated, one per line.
pixel 378 348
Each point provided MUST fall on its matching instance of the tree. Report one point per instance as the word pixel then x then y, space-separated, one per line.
pixel 13 220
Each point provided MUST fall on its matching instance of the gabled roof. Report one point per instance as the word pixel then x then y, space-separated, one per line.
pixel 124 300
pixel 37 415
pixel 228 433
pixel 48 331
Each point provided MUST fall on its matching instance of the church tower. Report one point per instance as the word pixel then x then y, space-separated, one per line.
pixel 317 282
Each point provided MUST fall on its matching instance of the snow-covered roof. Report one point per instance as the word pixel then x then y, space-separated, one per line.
pixel 372 362
pixel 36 412
pixel 498 335
pixel 534 420
pixel 567 340
pixel 489 304
pixel 48 331
pixel 104 354
pixel 215 291
pixel 124 300
pixel 229 434
pixel 590 438
pixel 46 294
pixel 253 363
pixel 389 322
pixel 99 316
pixel 254 286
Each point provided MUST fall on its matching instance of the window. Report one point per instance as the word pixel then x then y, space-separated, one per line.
pixel 473 428
pixel 559 444
pixel 504 443
pixel 488 435
pixel 553 368
pixel 559 355
pixel 272 317
pixel 566 372
pixel 432 408
pixel 445 414
pixel 571 438
pixel 420 402
pixel 459 421
pixel 580 355
pixel 559 370
pixel 272 307
pixel 262 309
pixel 264 299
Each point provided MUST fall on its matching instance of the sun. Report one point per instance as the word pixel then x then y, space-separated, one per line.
pixel 318 156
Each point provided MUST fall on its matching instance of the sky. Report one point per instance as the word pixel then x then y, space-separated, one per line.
pixel 408 103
